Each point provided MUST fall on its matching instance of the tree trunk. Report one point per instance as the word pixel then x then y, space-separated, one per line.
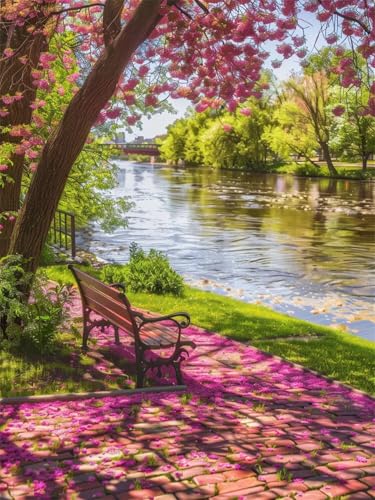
pixel 365 157
pixel 16 77
pixel 68 139
pixel 328 158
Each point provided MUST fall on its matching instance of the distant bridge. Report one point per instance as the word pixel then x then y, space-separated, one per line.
pixel 149 149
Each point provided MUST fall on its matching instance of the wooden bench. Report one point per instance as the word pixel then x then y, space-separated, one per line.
pixel 149 332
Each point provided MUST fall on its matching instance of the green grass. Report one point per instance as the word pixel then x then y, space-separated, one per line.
pixel 24 376
pixel 344 170
pixel 334 353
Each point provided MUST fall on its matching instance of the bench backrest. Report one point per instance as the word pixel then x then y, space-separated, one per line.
pixel 105 300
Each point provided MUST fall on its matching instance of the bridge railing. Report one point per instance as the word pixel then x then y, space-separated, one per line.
pixel 63 232
pixel 147 146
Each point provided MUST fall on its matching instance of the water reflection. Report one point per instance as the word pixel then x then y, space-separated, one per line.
pixel 305 246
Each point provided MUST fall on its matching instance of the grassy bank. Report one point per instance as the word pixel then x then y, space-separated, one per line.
pixel 336 354
pixel 344 171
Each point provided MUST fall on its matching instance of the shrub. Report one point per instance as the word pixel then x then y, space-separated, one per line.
pixel 145 272
pixel 48 256
pixel 29 327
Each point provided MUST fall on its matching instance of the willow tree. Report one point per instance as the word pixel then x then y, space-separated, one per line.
pixel 212 52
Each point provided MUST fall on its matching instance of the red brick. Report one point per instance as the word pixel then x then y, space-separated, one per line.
pixel 249 482
pixel 346 464
pixel 186 473
pixel 209 479
pixel 233 475
pixel 312 495
pixel 257 493
pixel 370 480
pixel 174 487
pixel 141 494
pixel 345 488
pixel 196 493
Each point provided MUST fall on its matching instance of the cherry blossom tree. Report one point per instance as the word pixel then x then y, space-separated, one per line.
pixel 211 51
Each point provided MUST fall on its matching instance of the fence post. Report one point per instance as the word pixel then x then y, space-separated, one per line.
pixel 73 235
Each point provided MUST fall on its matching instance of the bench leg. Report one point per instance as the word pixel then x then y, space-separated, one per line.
pixel 86 328
pixel 140 377
pixel 177 369
pixel 117 336
pixel 139 353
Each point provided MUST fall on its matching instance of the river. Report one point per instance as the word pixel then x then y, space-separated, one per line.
pixel 303 246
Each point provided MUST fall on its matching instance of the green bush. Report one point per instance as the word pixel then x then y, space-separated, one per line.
pixel 29 327
pixel 145 272
pixel 47 257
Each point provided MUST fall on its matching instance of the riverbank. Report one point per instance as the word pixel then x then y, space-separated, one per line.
pixel 331 352
pixel 344 170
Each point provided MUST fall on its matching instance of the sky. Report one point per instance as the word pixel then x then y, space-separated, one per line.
pixel 157 124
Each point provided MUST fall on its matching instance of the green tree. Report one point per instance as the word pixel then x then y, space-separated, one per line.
pixel 311 95
pixel 291 134
pixel 173 146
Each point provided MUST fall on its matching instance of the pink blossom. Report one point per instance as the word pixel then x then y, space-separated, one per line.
pixel 8 52
pixel 132 120
pixel 3 167
pixel 246 111
pixel 227 127
pixel 143 70
pixel 73 77
pixel 151 100
pixel 331 39
pixel 42 84
pixel 338 110
pixel 113 113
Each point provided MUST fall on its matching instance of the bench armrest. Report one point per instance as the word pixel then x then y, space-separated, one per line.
pixel 118 285
pixel 146 320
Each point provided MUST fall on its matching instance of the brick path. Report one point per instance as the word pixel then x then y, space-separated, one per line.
pixel 250 426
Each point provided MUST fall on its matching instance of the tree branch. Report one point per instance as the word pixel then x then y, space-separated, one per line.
pixel 350 18
pixel 72 9
pixel 112 20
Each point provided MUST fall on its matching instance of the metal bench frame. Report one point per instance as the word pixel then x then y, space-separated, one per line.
pixel 147 332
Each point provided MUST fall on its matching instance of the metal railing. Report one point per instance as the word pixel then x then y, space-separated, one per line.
pixel 63 232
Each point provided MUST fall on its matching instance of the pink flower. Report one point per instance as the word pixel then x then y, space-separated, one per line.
pixel 143 70
pixel 8 52
pixel 73 77
pixel 151 100
pixel 3 167
pixel 227 127
pixel 331 39
pixel 113 113
pixel 338 110
pixel 246 111
pixel 132 120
